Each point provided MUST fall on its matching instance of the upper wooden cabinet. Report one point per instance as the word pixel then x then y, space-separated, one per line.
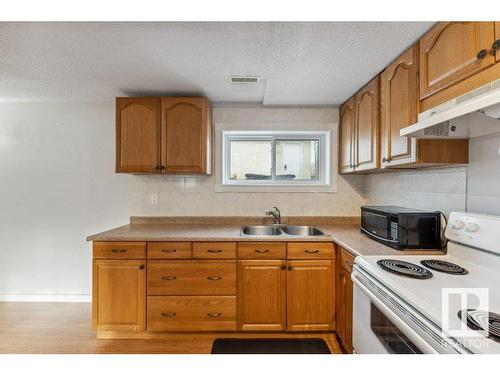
pixel 187 133
pixel 367 150
pixel 453 51
pixel 138 129
pixel 347 123
pixel 399 108
pixel 359 130
pixel 163 135
pixel 496 46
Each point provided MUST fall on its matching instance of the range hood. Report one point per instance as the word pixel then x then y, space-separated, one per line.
pixel 471 115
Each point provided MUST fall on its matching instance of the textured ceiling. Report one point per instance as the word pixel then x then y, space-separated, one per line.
pixel 300 63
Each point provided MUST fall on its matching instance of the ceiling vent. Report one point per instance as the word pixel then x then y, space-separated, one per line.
pixel 243 79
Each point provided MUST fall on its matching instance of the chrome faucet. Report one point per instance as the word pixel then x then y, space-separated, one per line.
pixel 276 214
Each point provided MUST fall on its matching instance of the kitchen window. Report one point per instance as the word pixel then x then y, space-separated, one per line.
pixel 274 160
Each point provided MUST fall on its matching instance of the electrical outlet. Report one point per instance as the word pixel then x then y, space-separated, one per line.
pixel 154 198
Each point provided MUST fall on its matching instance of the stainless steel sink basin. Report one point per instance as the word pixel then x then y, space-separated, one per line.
pixel 261 230
pixel 302 230
pixel 283 230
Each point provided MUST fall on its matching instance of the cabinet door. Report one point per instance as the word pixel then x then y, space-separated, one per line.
pixel 138 126
pixel 497 41
pixel 399 103
pixel 186 135
pixel 367 127
pixel 310 295
pixel 339 300
pixel 347 122
pixel 262 295
pixel 452 51
pixel 347 286
pixel 119 295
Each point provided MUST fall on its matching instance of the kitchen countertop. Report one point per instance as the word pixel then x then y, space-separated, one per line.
pixel 348 236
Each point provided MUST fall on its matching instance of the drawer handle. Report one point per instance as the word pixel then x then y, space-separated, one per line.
pixel 311 251
pixel 168 278
pixel 214 250
pixel 214 315
pixel 261 251
pixel 118 250
pixel 214 278
pixel 168 315
pixel 169 250
pixel 349 263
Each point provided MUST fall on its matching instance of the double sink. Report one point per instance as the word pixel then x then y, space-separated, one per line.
pixel 281 230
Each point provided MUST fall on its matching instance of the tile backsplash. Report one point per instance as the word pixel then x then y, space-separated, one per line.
pixel 441 189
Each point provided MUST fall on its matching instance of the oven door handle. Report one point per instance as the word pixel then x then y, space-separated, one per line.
pixel 377 237
pixel 408 331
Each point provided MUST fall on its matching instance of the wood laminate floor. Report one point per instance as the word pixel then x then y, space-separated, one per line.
pixel 65 327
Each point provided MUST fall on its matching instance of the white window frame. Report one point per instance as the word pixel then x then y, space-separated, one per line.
pixel 327 134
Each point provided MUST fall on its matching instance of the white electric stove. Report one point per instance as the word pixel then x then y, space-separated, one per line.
pixel 436 303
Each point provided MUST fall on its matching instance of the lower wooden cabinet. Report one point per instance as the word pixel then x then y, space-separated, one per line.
pixel 345 262
pixel 119 295
pixel 278 295
pixel 158 294
pixel 262 295
pixel 310 295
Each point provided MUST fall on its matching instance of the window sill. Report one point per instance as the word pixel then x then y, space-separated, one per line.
pixel 274 189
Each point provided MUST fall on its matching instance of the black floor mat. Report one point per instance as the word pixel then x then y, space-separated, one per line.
pixel 270 346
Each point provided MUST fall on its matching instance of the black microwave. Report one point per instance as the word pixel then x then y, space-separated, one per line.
pixel 402 228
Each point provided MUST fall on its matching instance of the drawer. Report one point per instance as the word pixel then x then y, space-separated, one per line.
pixel 214 250
pixel 346 260
pixel 200 313
pixel 119 250
pixel 310 250
pixel 191 278
pixel 169 250
pixel 261 250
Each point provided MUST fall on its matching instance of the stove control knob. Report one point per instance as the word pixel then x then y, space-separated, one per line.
pixel 472 227
pixel 458 224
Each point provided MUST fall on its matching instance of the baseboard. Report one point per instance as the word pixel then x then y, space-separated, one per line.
pixel 46 297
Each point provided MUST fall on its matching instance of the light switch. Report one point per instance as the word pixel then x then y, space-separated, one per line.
pixel 154 198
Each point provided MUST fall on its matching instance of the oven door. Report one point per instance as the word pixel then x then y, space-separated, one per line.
pixel 377 329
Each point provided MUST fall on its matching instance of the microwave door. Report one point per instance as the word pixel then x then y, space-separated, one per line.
pixel 376 224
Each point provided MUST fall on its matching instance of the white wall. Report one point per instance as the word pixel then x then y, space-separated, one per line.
pixel 441 189
pixel 483 183
pixel 57 185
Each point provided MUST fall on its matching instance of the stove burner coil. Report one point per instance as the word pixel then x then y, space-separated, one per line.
pixel 444 266
pixel 483 320
pixel 402 268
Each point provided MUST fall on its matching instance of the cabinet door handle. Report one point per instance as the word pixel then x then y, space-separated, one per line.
pixel 283 268
pixel 168 278
pixel 311 251
pixel 214 278
pixel 119 251
pixel 495 45
pixel 482 54
pixel 169 314
pixel 261 251
pixel 214 315
pixel 168 250
pixel 289 268
pixel 158 167
pixel 214 250
pixel 142 266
